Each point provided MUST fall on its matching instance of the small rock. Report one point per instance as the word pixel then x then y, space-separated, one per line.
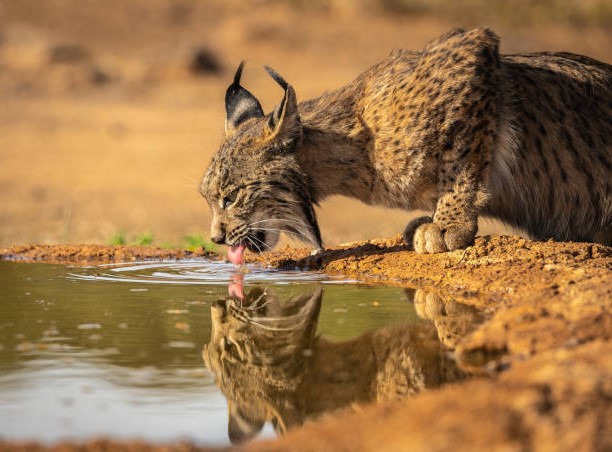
pixel 204 62
pixel 68 54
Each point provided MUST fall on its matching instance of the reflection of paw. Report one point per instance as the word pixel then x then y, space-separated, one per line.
pixel 433 238
pixel 452 320
pixel 428 305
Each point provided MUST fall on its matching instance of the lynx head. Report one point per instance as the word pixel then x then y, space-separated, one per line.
pixel 254 185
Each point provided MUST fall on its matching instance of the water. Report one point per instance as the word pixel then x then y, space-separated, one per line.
pixel 157 351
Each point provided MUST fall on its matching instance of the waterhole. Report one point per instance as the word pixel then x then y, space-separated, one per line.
pixel 158 351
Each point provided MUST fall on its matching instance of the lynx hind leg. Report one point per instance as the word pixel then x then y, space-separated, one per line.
pixel 411 228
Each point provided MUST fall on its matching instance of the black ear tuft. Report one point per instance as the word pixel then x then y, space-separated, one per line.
pixel 276 76
pixel 284 122
pixel 240 104
pixel 238 74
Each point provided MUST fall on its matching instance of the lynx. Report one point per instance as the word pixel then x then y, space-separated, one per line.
pixel 455 129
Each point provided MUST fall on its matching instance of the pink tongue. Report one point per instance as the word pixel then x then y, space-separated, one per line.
pixel 236 254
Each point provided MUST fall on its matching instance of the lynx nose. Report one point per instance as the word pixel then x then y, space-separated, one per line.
pixel 219 238
pixel 217 230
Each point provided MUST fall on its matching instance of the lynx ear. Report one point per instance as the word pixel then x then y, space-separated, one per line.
pixel 240 105
pixel 284 122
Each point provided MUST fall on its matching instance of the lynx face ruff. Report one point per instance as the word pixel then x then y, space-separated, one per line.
pixel 456 129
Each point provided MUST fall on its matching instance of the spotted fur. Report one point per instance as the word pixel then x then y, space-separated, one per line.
pixel 456 129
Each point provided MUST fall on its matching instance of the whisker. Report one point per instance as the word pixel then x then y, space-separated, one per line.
pixel 298 232
pixel 280 220
pixel 258 239
pixel 277 230
pixel 270 328
pixel 190 180
pixel 255 245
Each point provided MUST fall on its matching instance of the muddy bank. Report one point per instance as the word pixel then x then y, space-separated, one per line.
pixel 542 358
pixel 94 254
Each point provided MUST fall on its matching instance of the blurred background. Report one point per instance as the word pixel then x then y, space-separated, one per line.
pixel 111 109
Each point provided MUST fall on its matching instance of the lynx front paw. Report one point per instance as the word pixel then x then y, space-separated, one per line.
pixel 433 238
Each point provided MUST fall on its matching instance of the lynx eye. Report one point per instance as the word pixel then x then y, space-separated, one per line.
pixel 228 200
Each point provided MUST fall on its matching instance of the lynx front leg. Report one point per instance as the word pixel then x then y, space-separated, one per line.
pixel 457 91
pixel 462 174
pixel 455 221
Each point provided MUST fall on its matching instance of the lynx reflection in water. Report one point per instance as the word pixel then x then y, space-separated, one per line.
pixel 271 365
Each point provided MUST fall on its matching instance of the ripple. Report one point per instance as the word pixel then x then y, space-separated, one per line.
pixel 197 272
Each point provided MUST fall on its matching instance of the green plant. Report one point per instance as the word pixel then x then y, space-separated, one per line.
pixel 144 239
pixel 193 242
pixel 118 238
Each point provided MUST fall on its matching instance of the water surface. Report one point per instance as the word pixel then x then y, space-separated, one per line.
pixel 116 350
